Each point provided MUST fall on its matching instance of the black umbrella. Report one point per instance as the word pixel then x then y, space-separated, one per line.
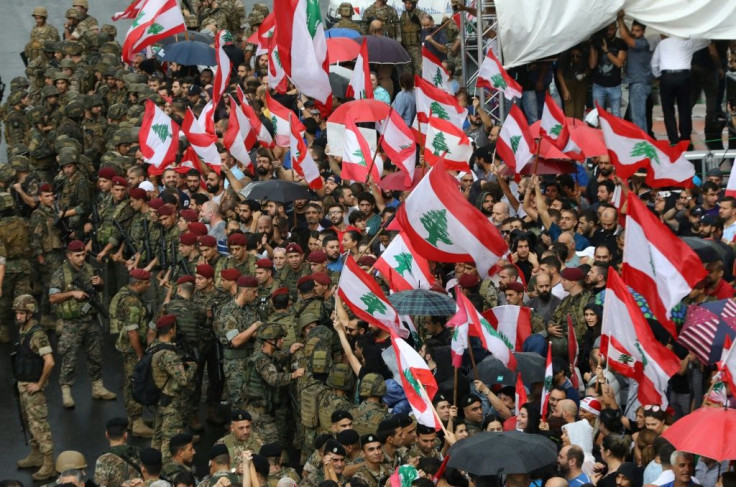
pixel 274 190
pixel 190 35
pixel 531 366
pixel 190 53
pixel 506 453
pixel 384 50
pixel 422 302
pixel 493 371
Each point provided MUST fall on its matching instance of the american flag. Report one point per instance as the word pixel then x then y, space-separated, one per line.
pixel 702 326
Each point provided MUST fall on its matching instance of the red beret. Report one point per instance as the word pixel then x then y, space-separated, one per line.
pixel 515 286
pixel 188 238
pixel 247 281
pixel 156 203
pixel 46 188
pixel 280 292
pixel 367 260
pixel 304 279
pixel 294 247
pixel 138 194
pixel 188 215
pixel 75 246
pixel 140 274
pixel 205 270
pixel 185 279
pixel 207 241
pixel 165 210
pixel 166 320
pixel 230 274
pixel 469 280
pixel 264 264
pixel 197 228
pixel 572 274
pixel 106 173
pixel 119 181
pixel 318 257
pixel 322 278
pixel 237 239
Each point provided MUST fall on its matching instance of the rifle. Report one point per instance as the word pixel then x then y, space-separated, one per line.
pixel 59 221
pixel 147 240
pixel 16 395
pixel 93 296
pixel 95 225
pixel 126 237
pixel 162 244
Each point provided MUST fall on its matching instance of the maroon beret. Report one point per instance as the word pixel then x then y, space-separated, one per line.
pixel 264 264
pixel 280 292
pixel 156 203
pixel 322 278
pixel 75 246
pixel 205 270
pixel 188 238
pixel 197 228
pixel 166 320
pixel 140 274
pixel 237 239
pixel 138 194
pixel 515 286
pixel 367 260
pixel 230 274
pixel 318 257
pixel 294 247
pixel 119 181
pixel 304 279
pixel 247 281
pixel 572 274
pixel 469 280
pixel 207 241
pixel 188 215
pixel 106 173
pixel 185 279
pixel 46 188
pixel 165 210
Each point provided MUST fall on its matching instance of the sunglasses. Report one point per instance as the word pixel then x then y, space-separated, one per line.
pixel 652 407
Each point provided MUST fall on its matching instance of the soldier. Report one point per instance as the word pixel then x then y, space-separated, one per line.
pixel 266 286
pixel 411 28
pixel 174 378
pixel 14 264
pixel 341 381
pixel 84 22
pixel 165 239
pixel 210 9
pixel 371 411
pixel 94 124
pixel 373 470
pixel 239 258
pixel 346 12
pixel 283 314
pixel 388 17
pixel 181 449
pixel 66 66
pixel 208 252
pixel 121 463
pixel 425 446
pixel 41 32
pixel 50 94
pixel 74 197
pixel 473 412
pixel 276 470
pixel 120 158
pixel 187 255
pixel 72 112
pixel 129 318
pixel 32 364
pixel 40 144
pixel 140 230
pixel 332 463
pixel 220 460
pixel 573 280
pixel 294 269
pixel 69 292
pixel 241 438
pixel 111 236
pixel 16 122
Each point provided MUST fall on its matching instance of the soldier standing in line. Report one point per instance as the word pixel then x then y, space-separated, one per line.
pixel 341 380
pixel 266 286
pixel 345 10
pixel 411 28
pixel 121 462
pixel 40 33
pixel 374 468
pixel 294 269
pixel 240 438
pixel 33 361
pixel 40 143
pixel 16 122
pixel 85 22
pixel 75 198
pixel 220 460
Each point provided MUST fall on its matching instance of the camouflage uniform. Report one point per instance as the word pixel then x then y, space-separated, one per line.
pixel 346 18
pixel 42 154
pixel 236 448
pixel 46 243
pixel 218 14
pixel 16 126
pixel 215 477
pixel 288 323
pixel 247 267
pixel 75 193
pixel 415 452
pixel 367 415
pixel 573 306
pixel 489 293
pixel 288 278
pixel 283 471
pixel 210 349
pixel 411 28
pixel 473 428
pixel 88 23
pixel 340 378
pixel 14 246
pixel 372 478
pixel 171 470
pixel 39 35
pixel 116 466
pixel 386 14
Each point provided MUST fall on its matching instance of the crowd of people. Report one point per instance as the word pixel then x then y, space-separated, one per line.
pixel 212 298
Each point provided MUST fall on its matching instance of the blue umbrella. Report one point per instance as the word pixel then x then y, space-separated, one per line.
pixel 190 53
pixel 342 32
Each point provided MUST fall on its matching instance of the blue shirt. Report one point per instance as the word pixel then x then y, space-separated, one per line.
pixel 380 94
pixel 405 105
pixel 579 480
pixel 638 62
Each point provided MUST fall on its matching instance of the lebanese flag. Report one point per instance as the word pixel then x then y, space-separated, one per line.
pixel 399 144
pixel 654 363
pixel 548 382
pixel 263 37
pixel 364 297
pixel 433 71
pixel 189 160
pixel 357 156
pixel 446 140
pixel 224 66
pixel 459 324
pixel 727 364
pixel 520 397
pixel 130 13
pixel 263 136
pixel 156 20
pixel 239 138
pixel 206 119
pixel 553 128
pixel 514 322
pixel 657 264
pixel 443 226
pixel 302 46
pixel 731 185
pixel 202 142
pixel 572 350
pixel 360 85
pixel 493 77
pixel 402 267
pixel 493 341
pixel 158 137
pixel 301 159
pixel 277 79
pixel 618 358
pixel 439 103
pixel 630 148
pixel 418 382
pixel 283 119
pixel 515 144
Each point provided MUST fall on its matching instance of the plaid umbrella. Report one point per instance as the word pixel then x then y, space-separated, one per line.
pixel 422 302
pixel 706 327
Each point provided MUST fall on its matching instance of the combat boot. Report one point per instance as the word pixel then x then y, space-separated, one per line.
pixel 66 397
pixel 4 334
pixel 99 391
pixel 34 459
pixel 141 430
pixel 213 416
pixel 195 424
pixel 47 469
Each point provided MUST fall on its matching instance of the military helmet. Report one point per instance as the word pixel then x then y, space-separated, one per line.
pixel 270 331
pixel 49 46
pixel 73 13
pixel 80 3
pixel 345 8
pixel 20 163
pixel 305 319
pixel 68 155
pixel 261 8
pixel 40 12
pixel 7 173
pixel 16 97
pixel 117 111
pixel 93 101
pixel 25 302
pixel 73 48
pixel 66 63
pixel 372 385
pixel 20 149
pixel 19 83
pixel 59 76
pixel 35 114
pixel 6 201
pixel 74 109
pixel 70 460
pixel 255 19
pixel 110 30
pixel 49 90
pixel 341 377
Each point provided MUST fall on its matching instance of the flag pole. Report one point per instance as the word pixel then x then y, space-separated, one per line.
pixel 373 239
pixel 538 141
pixel 434 410
pixel 454 389
pixel 472 359
pixel 378 144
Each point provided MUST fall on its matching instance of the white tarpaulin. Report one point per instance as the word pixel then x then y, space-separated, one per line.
pixel 534 29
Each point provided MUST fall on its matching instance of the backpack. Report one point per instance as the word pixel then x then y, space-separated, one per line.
pixel 143 386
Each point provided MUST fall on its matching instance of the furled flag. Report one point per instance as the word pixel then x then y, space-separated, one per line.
pixel 263 37
pixel 357 157
pixel 156 20
pixel 443 226
pixel 459 324
pixel 203 143
pixel 224 66
pixel 630 148
pixel 301 158
pixel 520 397
pixel 727 364
pixel 433 70
pixel 572 350
pixel 399 144
pixel 418 382
pixel 190 160
pixel 360 83
pixel 657 264
pixel 553 127
pixel 439 103
pixel 515 144
pixel 130 13
pixel 402 268
pixel 494 77
pixel 403 476
pixel 495 342
pixel 282 119
pixel 549 378
pixel 653 363
pixel 446 140
pixel 731 185
pixel 239 138
pixel 302 46
pixel 158 137
pixel 263 136
pixel 362 294
pixel 514 322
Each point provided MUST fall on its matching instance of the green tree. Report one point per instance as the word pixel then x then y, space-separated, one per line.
pixel 155 29
pixel 137 20
pixel 277 58
pixel 439 144
pixel 494 333
pixel 437 80
pixel 438 111
pixel 404 261
pixel 515 139
pixel 373 303
pixel 498 82
pixel 556 130
pixel 645 149
pixel 358 154
pixel 161 130
pixel 435 223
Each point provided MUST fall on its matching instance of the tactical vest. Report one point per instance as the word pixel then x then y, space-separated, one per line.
pixel 186 321
pixel 52 241
pixel 27 365
pixel 256 390
pixel 71 309
pixel 14 234
pixel 309 403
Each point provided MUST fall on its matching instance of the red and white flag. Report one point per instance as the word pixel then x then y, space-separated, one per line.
pixel 399 144
pixel 657 264
pixel 239 138
pixel 520 397
pixel 572 350
pixel 553 127
pixel 493 77
pixel 654 363
pixel 158 137
pixel 727 364
pixel 443 226
pixel 433 70
pixel 459 324
pixel 402 268
pixel 224 66
pixel 130 13
pixel 277 79
pixel 301 159
pixel 206 119
pixel 549 378
pixel 357 157
pixel 189 160
pixel 495 342
pixel 515 144
pixel 362 294
pixel 630 148
pixel 731 185
pixel 618 358
pixel 302 46
pixel 263 136
pixel 202 142
pixel 156 20
pixel 263 37
pixel 436 102
pixel 282 120
pixel 418 382
pixel 514 322
pixel 446 140
pixel 360 85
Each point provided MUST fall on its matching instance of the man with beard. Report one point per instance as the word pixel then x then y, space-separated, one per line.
pixel 192 183
pixel 264 165
pixel 514 293
pixel 215 186
pixel 523 257
pixel 545 302
pixel 170 179
pixel 596 278
pixel 603 172
pixel 247 210
pixel 332 249
pixel 294 268
pixel 570 463
pixel 262 66
pixel 485 203
pixel 507 275
pixel 587 223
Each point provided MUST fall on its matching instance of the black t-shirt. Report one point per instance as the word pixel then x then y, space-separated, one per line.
pixel 606 73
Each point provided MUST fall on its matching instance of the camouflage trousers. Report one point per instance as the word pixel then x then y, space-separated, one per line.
pixel 77 336
pixel 35 416
pixel 266 426
pixel 52 261
pixel 208 360
pixel 14 284
pixel 415 52
pixel 133 409
pixel 234 369
pixel 167 421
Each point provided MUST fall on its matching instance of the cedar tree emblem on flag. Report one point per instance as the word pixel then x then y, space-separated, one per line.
pixel 435 223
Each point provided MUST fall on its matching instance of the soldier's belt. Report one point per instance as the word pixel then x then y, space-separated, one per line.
pixel 234 353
